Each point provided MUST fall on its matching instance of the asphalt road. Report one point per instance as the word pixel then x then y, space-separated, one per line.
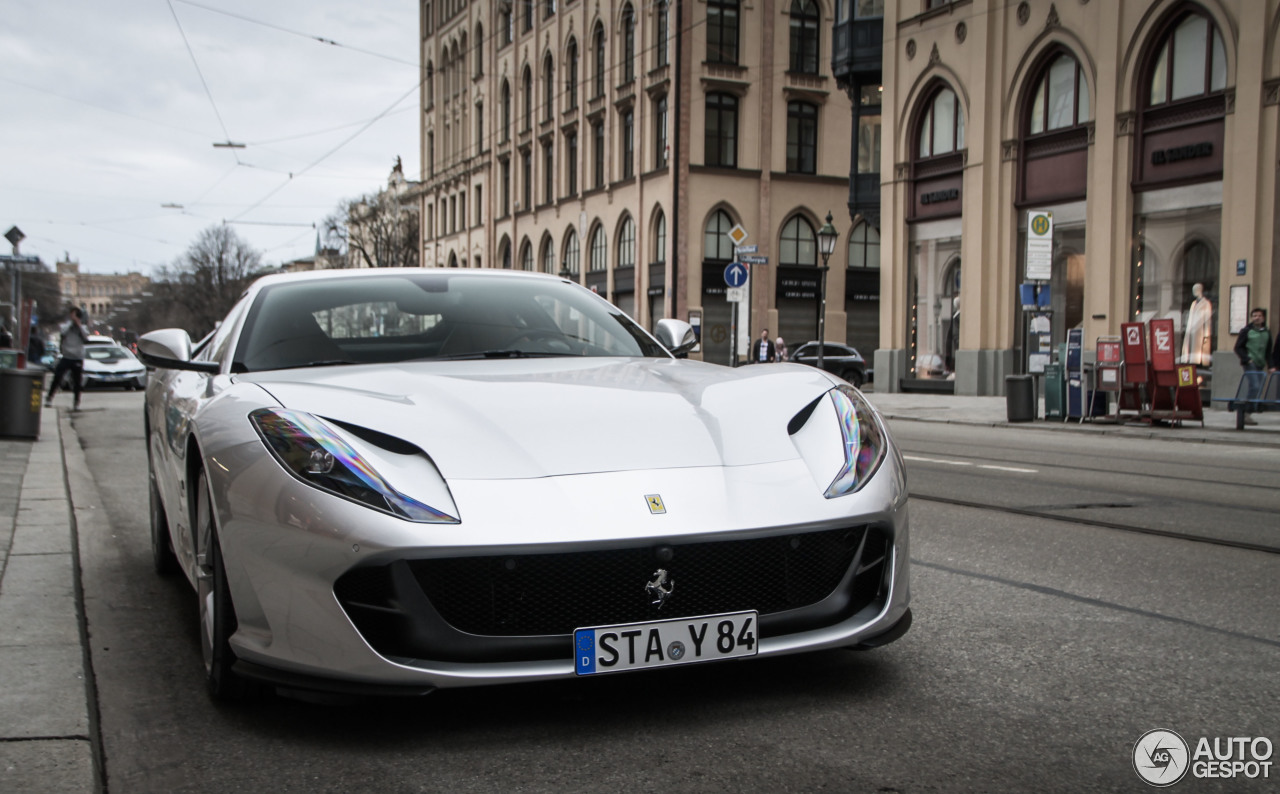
pixel 1043 648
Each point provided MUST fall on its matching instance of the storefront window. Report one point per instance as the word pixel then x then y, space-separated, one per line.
pixel 1175 275
pixel 934 311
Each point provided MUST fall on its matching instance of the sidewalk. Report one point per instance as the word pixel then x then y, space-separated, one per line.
pixel 46 712
pixel 45 734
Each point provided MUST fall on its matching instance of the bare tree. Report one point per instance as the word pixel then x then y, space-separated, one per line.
pixel 204 283
pixel 377 230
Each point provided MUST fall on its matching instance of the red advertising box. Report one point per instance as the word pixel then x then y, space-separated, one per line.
pixel 1108 352
pixel 1135 352
pixel 1162 358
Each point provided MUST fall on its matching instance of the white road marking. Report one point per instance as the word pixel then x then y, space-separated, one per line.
pixel 945 462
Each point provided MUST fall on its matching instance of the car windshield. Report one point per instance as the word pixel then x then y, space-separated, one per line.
pixel 430 316
pixel 108 354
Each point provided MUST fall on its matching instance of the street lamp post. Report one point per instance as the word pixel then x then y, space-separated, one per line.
pixel 827 237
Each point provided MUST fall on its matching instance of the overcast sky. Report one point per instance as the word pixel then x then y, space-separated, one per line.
pixel 105 118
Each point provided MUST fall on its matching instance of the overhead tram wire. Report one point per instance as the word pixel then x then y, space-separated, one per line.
pixel 203 82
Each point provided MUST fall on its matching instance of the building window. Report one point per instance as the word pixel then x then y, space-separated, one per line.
pixel 479 205
pixel 804 36
pixel 526 256
pixel 504 253
pixel 431 153
pixel 627 243
pixel 1061 98
pixel 628 44
pixel 597 54
pixel 942 128
pixel 505 206
pixel 526 93
pixel 571 79
pixel 431 85
pixel 799 245
pixel 660 238
pixel 660 133
pixel 571 253
pixel 526 181
pixel 802 138
pixel 1192 62
pixel 548 255
pixel 431 221
pixel 599 251
pixel 864 246
pixel 479 127
pixel 506 26
pixel 548 174
pixel 526 7
pixel 662 32
pixel 548 87
pixel 597 154
pixel 462 209
pixel 506 111
pixel 548 9
pixel 478 71
pixel 628 144
pixel 571 164
pixel 722 130
pixel 722 31
pixel 716 245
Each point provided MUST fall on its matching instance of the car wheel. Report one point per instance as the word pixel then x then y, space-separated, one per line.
pixel 854 377
pixel 162 557
pixel 217 614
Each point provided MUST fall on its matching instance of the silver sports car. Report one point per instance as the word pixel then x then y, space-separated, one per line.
pixel 400 480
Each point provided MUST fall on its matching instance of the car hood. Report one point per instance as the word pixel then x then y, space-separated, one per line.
pixel 514 419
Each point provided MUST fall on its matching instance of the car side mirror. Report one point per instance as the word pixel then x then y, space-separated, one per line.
pixel 170 348
pixel 677 336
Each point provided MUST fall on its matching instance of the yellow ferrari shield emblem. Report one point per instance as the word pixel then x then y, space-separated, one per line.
pixel 655 504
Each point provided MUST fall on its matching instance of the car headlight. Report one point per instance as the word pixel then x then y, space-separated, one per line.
pixel 309 450
pixel 863 441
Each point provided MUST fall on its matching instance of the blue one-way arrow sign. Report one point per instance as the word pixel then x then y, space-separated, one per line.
pixel 735 275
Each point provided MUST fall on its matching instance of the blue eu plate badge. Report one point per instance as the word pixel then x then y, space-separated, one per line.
pixel 584 640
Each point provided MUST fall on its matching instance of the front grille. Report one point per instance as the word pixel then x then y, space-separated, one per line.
pixel 522 607
pixel 557 593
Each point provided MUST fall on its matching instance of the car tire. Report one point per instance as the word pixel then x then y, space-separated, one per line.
pixel 163 559
pixel 217 613
pixel 854 377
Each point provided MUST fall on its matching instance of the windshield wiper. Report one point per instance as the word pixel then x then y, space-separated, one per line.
pixel 328 362
pixel 504 353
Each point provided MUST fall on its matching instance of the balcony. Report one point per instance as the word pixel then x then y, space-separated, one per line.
pixel 857 49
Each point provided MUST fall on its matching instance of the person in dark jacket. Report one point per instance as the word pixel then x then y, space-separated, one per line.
pixel 1254 349
pixel 762 350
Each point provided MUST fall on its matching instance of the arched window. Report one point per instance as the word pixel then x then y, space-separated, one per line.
pixel 571 76
pixel 942 127
pixel 526 256
pixel 660 238
pixel 571 253
pixel 548 256
pixel 864 246
pixel 526 90
pixel 504 253
pixel 722 31
pixel 506 111
pixel 431 85
pixel 479 54
pixel 802 138
pixel 597 54
pixel 627 243
pixel 548 87
pixel 716 245
pixel 1061 99
pixel 661 32
pixel 1192 62
pixel 804 36
pixel 453 259
pixel 799 244
pixel 599 250
pixel 628 43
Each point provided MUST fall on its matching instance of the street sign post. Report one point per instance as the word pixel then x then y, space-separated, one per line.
pixel 736 276
pixel 1039 245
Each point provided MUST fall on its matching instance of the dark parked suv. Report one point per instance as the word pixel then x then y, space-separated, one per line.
pixel 840 360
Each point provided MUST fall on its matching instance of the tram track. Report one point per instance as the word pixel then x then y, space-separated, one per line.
pixel 1099 523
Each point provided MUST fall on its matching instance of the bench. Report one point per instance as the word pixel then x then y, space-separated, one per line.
pixel 1258 392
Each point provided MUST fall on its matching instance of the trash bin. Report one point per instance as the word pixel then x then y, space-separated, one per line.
pixel 1020 397
pixel 21 393
pixel 1055 391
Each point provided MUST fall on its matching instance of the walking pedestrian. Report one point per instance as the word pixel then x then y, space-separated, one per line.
pixel 780 350
pixel 762 350
pixel 1253 348
pixel 72 362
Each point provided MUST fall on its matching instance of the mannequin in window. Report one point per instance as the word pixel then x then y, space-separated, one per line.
pixel 1197 343
pixel 953 335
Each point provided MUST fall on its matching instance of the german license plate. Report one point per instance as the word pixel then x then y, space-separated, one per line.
pixel 662 643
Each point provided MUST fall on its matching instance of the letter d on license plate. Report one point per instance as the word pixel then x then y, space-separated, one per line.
pixel 612 649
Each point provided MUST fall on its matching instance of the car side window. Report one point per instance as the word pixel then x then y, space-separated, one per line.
pixel 216 349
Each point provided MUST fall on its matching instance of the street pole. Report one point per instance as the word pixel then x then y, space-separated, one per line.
pixel 827 237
